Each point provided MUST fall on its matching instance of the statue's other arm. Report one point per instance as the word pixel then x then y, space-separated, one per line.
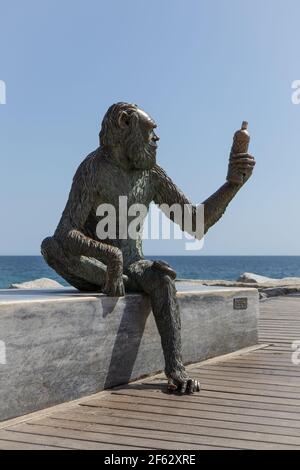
pixel 70 231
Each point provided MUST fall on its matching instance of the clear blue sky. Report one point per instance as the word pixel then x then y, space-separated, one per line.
pixel 198 67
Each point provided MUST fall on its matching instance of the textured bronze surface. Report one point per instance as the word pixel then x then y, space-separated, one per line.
pixel 125 165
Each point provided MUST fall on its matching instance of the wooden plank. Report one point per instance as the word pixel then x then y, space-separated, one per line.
pixel 205 437
pixel 280 347
pixel 252 370
pixel 179 412
pixel 270 323
pixel 47 411
pixel 284 363
pixel 276 357
pixel 202 400
pixel 129 414
pixel 167 439
pixel 249 378
pixel 284 339
pixel 279 357
pixel 57 442
pixel 12 445
pixel 234 396
pixel 217 380
pixel 176 433
pixel 275 350
pixel 279 325
pixel 253 391
pixel 276 364
pixel 27 442
pixel 117 440
pixel 260 369
pixel 265 363
pixel 194 406
pixel 43 441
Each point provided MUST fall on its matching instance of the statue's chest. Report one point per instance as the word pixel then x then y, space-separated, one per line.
pixel 136 186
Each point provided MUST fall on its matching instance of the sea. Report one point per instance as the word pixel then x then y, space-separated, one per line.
pixel 15 269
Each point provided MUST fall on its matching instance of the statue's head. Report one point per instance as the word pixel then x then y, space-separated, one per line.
pixel 127 126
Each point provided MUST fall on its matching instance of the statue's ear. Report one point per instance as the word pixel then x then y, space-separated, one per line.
pixel 124 120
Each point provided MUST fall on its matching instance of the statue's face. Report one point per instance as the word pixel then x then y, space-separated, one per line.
pixel 147 125
pixel 141 142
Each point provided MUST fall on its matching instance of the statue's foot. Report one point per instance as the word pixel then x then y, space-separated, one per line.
pixel 183 384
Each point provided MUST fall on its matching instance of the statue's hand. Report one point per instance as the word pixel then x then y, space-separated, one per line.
pixel 165 268
pixel 180 382
pixel 240 168
pixel 114 286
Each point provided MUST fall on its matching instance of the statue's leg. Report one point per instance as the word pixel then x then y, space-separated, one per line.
pixel 162 291
pixel 86 274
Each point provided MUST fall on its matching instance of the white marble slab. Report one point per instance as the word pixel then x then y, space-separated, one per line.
pixel 59 345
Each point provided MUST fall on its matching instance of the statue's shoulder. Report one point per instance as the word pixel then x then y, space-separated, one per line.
pixel 89 167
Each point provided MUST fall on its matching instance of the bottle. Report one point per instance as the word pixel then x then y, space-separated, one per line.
pixel 240 144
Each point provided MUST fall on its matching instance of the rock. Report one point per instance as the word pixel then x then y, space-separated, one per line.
pixel 42 283
pixel 278 291
pixel 267 286
pixel 262 295
pixel 262 281
pixel 257 278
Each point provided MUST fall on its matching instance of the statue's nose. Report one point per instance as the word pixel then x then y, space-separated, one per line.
pixel 155 137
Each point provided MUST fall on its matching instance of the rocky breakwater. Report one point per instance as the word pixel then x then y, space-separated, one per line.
pixel 267 286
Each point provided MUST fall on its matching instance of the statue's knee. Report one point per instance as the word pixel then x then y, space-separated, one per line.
pixel 50 249
pixel 163 282
pixel 46 246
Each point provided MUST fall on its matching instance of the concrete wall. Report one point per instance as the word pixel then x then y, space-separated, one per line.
pixel 62 345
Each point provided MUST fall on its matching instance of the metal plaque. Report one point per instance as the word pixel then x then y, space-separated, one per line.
pixel 240 303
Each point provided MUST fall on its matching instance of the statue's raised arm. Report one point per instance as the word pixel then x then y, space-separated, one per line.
pixel 167 193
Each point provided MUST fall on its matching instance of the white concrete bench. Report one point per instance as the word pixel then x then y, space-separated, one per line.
pixel 59 345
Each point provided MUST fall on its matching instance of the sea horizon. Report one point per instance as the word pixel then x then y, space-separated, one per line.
pixel 22 268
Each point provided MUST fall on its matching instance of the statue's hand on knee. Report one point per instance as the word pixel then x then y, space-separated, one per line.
pixel 180 382
pixel 114 286
pixel 165 268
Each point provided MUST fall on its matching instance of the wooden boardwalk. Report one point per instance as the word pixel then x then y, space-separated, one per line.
pixel 248 401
